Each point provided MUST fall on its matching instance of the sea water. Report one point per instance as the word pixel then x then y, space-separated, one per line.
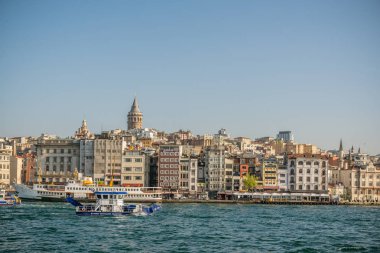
pixel 54 227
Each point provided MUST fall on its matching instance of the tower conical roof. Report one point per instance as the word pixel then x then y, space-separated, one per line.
pixel 135 106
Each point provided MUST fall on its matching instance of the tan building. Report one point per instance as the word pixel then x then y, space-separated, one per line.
pixel 57 158
pixel 107 161
pixel 135 117
pixel 188 175
pixel 16 163
pixel 269 174
pixel 135 169
pixel 5 154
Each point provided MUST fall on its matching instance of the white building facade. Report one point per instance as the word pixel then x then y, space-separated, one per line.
pixel 308 173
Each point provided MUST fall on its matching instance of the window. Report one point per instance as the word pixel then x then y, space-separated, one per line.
pixel 300 187
pixel 55 151
pixel 308 163
pixel 138 169
pixel 62 151
pixel 47 168
pixel 138 177
pixel 300 163
pixel 54 159
pixel 138 160
pixel 127 177
pixel 300 179
pixel 316 171
pixel 128 160
pixel 315 187
pixel 62 159
pixel 316 163
pixel 316 179
pixel 308 171
pixel 300 170
pixel 307 187
pixel 47 159
pixel 292 163
pixel 324 164
pixel 323 172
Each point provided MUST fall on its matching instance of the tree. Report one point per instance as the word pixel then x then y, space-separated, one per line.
pixel 250 182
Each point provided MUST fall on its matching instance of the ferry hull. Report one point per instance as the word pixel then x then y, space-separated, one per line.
pixel 101 214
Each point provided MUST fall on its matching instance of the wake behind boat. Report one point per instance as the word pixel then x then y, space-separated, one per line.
pixel 111 204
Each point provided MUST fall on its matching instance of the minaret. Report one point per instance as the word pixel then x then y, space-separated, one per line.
pixel 341 155
pixel 135 117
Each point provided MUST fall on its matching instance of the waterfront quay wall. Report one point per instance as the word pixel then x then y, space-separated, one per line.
pixel 192 201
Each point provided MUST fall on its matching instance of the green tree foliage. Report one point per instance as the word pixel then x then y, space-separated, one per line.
pixel 250 182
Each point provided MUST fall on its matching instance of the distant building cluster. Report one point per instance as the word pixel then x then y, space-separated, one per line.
pixel 193 165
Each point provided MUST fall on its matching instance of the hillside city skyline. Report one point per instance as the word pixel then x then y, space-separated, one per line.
pixel 135 108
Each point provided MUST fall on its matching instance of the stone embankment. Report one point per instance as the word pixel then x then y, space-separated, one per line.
pixel 212 201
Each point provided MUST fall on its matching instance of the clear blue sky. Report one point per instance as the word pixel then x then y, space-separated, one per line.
pixel 252 67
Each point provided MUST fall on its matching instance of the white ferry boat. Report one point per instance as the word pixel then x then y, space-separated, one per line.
pixel 111 203
pixel 77 190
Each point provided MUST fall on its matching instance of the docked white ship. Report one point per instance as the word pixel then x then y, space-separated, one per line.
pixel 78 190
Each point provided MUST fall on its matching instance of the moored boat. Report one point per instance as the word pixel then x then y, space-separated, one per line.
pixel 79 190
pixel 6 200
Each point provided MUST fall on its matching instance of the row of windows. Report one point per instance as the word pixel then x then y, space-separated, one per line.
pixel 169 160
pixel 135 178
pixel 55 159
pixel 308 163
pixel 61 168
pixel 136 160
pixel 5 158
pixel 168 178
pixel 316 179
pixel 168 184
pixel 4 176
pixel 174 172
pixel 308 171
pixel 62 151
pixel 300 187
pixel 4 166
pixel 172 166
pixel 130 169
pixel 169 153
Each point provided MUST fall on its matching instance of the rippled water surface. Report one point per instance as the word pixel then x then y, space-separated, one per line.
pixel 54 227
